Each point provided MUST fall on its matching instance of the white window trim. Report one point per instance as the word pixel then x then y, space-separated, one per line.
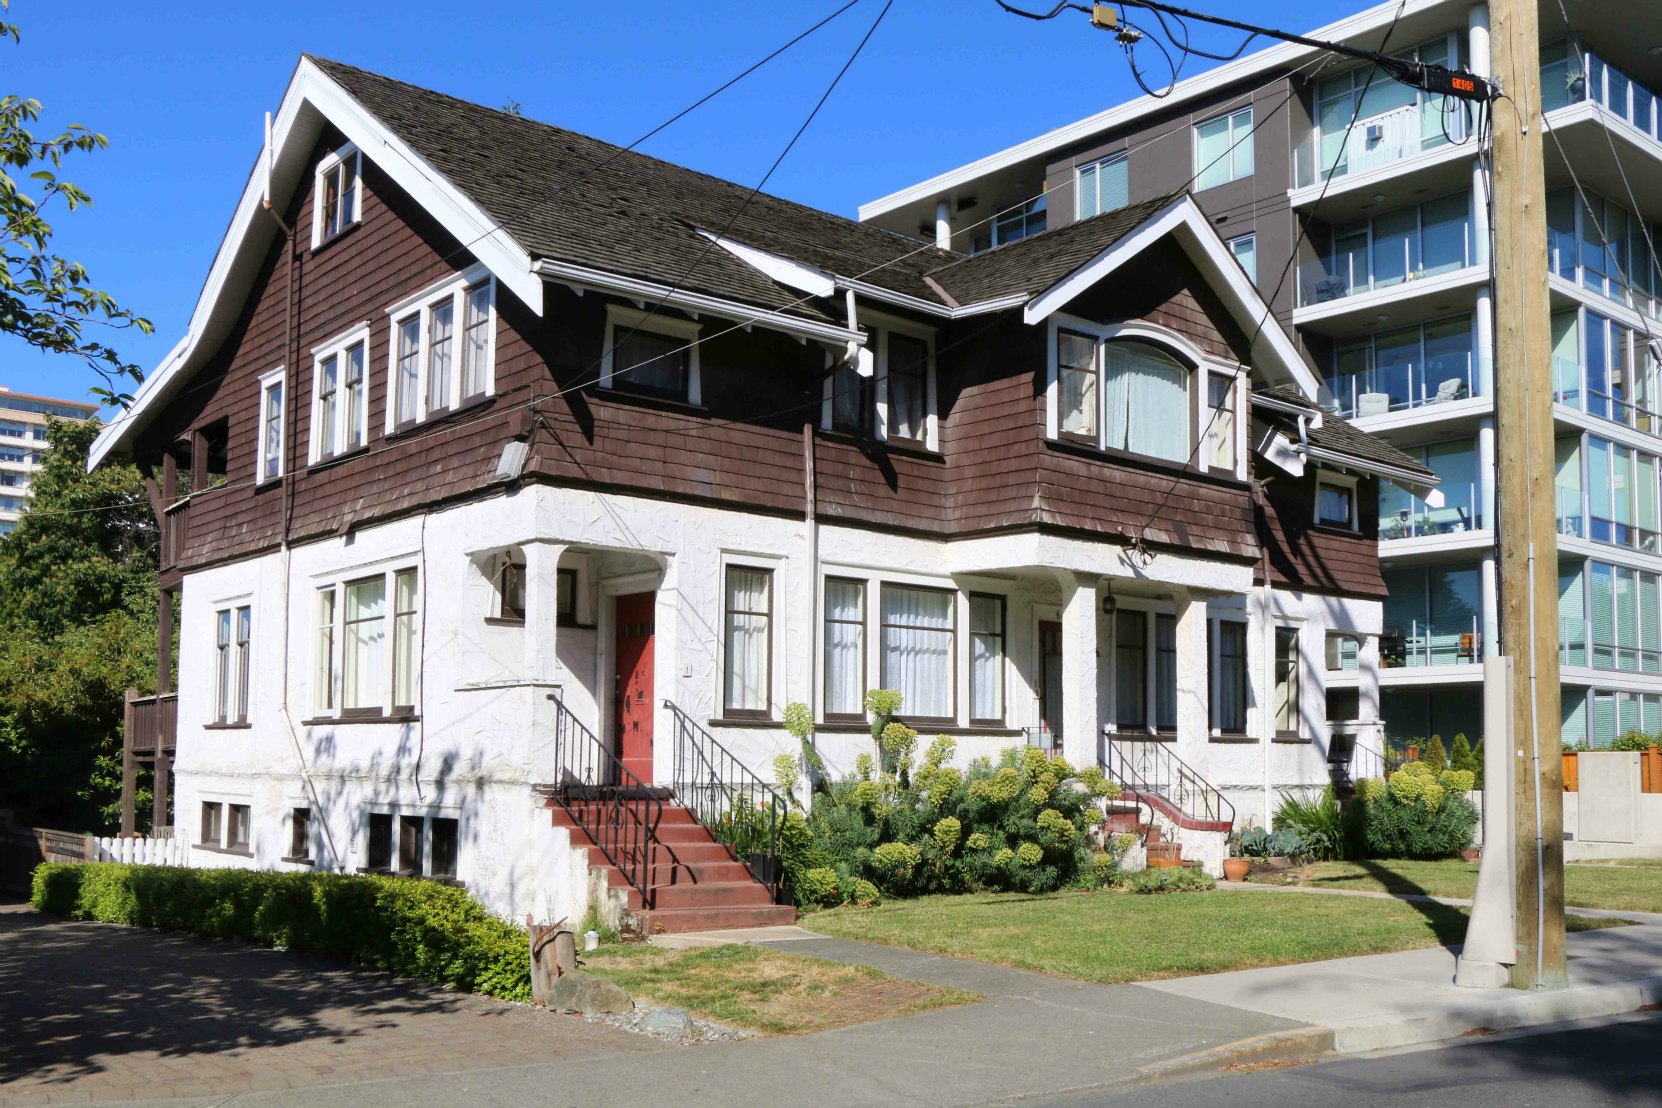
pixel 420 304
pixel 1152 610
pixel 1214 681
pixel 1231 153
pixel 337 660
pixel 234 694
pixel 1240 386
pixel 1296 625
pixel 327 164
pixel 335 347
pixel 427 813
pixel 883 325
pixel 275 377
pixel 1346 481
pixel 775 567
pixel 628 319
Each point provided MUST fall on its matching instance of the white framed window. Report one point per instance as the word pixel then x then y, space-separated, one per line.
pixel 1336 501
pixel 1245 249
pixel 919 636
pixel 340 395
pixel 233 642
pixel 1227 645
pixel 337 194
pixel 1221 451
pixel 845 648
pixel 413 844
pixel 1344 652
pixel 890 391
pixel 747 641
pixel 987 653
pixel 268 465
pixel 367 647
pixel 1223 149
pixel 508 587
pixel 1285 706
pixel 653 355
pixel 1103 186
pixel 441 349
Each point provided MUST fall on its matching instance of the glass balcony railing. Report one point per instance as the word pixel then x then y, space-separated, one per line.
pixel 1462 511
pixel 1448 643
pixel 1378 141
pixel 1570 390
pixel 1357 396
pixel 1565 80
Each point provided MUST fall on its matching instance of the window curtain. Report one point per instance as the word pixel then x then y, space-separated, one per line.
pixel 405 654
pixel 1604 616
pixel 409 368
pixel 844 647
pixel 1212 154
pixel 1148 401
pixel 1230 697
pixel 1572 617
pixel 476 340
pixel 328 371
pixel 643 360
pixel 917 650
pixel 365 643
pixel 748 605
pixel 908 380
pixel 1076 384
pixel 986 658
pixel 355 402
pixel 273 430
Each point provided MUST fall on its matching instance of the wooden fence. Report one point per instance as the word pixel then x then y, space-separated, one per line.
pixel 24 848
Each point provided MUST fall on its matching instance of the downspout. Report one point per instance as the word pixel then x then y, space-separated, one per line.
pixel 290 417
pixel 1267 635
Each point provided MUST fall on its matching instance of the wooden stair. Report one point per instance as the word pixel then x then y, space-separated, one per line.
pixel 694 883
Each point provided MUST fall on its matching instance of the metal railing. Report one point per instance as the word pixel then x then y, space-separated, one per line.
pixel 737 808
pixel 608 803
pixel 1153 775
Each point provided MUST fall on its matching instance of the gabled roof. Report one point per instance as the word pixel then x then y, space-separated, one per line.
pixel 1339 439
pixel 533 201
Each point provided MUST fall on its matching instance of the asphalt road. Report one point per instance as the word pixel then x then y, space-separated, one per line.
pixel 1616 1062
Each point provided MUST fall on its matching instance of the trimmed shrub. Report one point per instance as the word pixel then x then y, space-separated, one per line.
pixel 1171 879
pixel 1435 756
pixel 420 929
pixel 1400 821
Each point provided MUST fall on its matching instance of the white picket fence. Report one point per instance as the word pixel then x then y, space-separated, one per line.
pixel 148 852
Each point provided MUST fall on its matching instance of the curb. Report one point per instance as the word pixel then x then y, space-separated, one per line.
pixel 1300 1045
pixel 1510 1013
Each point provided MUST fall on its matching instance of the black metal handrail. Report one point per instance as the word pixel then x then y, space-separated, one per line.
pixel 737 808
pixel 613 807
pixel 1154 772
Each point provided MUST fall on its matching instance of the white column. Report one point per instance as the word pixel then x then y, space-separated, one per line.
pixel 943 223
pixel 542 599
pixel 1081 714
pixel 1194 693
pixel 1367 689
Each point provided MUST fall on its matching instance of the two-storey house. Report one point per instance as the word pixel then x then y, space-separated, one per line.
pixel 500 464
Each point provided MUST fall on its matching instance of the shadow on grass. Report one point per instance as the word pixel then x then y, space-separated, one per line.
pixel 1447 922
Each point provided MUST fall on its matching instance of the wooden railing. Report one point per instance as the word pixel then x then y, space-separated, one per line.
pixel 176 527
pixel 152 723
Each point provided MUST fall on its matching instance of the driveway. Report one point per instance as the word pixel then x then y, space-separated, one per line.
pixel 91 1011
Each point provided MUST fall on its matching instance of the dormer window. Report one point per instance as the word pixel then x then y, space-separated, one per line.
pixel 889 392
pixel 339 194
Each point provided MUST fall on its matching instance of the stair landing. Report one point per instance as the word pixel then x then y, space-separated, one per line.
pixel 694 882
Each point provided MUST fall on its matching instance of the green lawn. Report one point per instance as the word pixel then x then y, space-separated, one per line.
pixel 1627 886
pixel 765 990
pixel 1116 937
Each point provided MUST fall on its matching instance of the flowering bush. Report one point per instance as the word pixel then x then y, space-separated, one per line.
pixel 909 827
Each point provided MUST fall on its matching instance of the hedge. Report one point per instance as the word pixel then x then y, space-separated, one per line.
pixel 411 928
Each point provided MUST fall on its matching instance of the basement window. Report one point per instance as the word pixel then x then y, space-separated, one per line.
pixel 300 835
pixel 413 845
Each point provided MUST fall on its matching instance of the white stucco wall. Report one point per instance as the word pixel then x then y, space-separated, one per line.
pixel 484 734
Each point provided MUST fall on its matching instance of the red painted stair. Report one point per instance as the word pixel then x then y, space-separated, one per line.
pixel 694 883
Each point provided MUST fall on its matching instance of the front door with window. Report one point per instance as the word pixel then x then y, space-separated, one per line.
pixel 632 687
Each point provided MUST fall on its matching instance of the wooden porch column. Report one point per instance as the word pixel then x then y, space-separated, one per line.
pixel 129 767
pixel 163 768
pixel 1081 714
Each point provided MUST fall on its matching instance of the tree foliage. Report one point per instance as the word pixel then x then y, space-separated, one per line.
pixel 45 299
pixel 77 627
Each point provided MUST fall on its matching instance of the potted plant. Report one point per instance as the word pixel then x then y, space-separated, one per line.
pixel 1576 83
pixel 1235 866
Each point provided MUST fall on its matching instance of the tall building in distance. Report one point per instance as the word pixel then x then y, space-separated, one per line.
pixel 1358 207
pixel 22 442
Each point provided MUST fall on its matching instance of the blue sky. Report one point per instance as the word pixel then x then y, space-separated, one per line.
pixel 180 89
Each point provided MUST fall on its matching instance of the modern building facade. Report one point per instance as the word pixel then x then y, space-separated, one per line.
pixel 1358 207
pixel 22 442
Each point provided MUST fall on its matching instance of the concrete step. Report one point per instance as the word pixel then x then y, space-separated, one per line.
pixel 723 894
pixel 669 815
pixel 679 873
pixel 660 921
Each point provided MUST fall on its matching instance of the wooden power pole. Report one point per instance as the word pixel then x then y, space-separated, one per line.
pixel 1524 474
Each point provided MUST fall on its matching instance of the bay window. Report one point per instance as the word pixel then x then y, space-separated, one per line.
pixel 367 647
pixel 340 402
pixel 845 648
pixel 442 349
pixel 747 619
pixel 918 636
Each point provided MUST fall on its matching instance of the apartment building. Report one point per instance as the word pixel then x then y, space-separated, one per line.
pixel 22 441
pixel 1358 207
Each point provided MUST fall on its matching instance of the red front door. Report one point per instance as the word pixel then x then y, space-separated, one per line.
pixel 632 690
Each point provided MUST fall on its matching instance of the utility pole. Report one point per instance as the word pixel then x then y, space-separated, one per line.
pixel 1528 534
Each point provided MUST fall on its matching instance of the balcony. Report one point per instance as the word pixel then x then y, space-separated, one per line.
pixel 1378 142
pixel 1462 512
pixel 175 532
pixel 152 724
pixel 1410 368
pixel 1566 81
pixel 1424 645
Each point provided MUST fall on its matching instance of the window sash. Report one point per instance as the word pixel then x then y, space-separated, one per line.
pixel 852 401
pixel 441 341
pixel 1220 397
pixel 908 388
pixel 405 648
pixel 1077 392
pixel 271 430
pixel 408 376
pixel 300 833
pixel 919 639
pixel 1286 704
pixel 747 604
pixel 211 830
pixel 1146 395
pixel 1229 696
pixel 326 668
pixel 1335 505
pixel 378 847
pixel 237 829
pixel 476 341
pixel 648 362
pixel 341 421
pixel 443 349
pixel 987 652
pixel 1165 672
pixel 244 647
pixel 845 648
pixel 222 667
pixel 443 838
pixel 1131 668
pixel 510 589
pixel 364 641
pixel 1103 186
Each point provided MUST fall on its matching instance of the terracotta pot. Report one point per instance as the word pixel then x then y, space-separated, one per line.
pixel 1235 869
